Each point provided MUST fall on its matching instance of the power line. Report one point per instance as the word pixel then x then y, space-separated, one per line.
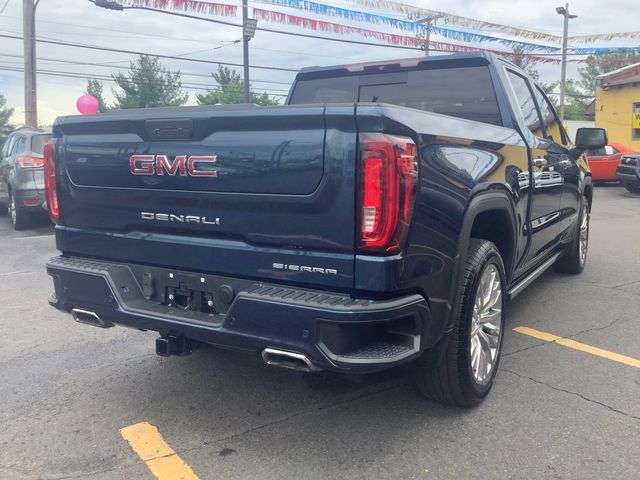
pixel 148 35
pixel 188 86
pixel 133 52
pixel 72 62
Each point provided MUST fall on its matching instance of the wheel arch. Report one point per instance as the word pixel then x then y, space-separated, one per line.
pixel 587 190
pixel 497 207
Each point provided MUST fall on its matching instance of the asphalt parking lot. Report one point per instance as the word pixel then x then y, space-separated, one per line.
pixel 560 410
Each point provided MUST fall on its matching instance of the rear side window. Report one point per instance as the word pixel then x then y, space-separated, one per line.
pixel 20 145
pixel 460 92
pixel 6 148
pixel 37 143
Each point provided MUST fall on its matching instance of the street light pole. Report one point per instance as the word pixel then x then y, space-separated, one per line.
pixel 29 42
pixel 564 11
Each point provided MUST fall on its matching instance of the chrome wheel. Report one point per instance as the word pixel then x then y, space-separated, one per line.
pixel 486 325
pixel 12 209
pixel 584 235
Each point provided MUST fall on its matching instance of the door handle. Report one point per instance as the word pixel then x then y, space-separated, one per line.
pixel 539 162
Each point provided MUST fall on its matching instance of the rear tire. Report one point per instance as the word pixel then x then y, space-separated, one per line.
pixel 632 187
pixel 575 256
pixel 20 219
pixel 465 372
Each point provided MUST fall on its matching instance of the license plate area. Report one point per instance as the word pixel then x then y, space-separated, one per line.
pixel 191 291
pixel 183 298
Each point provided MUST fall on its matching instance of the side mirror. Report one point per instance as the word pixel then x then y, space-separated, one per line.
pixel 591 138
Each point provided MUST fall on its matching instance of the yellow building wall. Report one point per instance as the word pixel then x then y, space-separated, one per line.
pixel 614 111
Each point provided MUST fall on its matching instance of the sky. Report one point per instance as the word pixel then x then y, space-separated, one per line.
pixel 79 21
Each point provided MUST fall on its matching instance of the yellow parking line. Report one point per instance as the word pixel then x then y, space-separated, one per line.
pixel 164 463
pixel 548 337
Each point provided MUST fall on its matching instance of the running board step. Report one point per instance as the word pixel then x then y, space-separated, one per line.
pixel 529 279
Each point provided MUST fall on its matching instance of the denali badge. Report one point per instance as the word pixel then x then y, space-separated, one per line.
pixel 194 166
pixel 300 268
pixel 169 217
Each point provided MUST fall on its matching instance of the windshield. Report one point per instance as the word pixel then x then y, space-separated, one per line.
pixel 460 92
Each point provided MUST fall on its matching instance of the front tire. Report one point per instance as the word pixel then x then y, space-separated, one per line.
pixel 633 188
pixel 465 373
pixel 575 256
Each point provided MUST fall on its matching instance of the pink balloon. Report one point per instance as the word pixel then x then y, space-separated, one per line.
pixel 87 105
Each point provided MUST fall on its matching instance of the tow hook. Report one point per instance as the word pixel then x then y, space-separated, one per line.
pixel 173 345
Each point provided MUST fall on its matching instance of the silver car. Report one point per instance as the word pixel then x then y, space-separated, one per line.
pixel 22 175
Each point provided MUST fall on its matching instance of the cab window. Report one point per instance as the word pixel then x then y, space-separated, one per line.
pixel 527 104
pixel 553 128
pixel 599 152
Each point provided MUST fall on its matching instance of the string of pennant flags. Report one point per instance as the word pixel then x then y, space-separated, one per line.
pixel 416 13
pixel 196 6
pixel 405 25
pixel 419 12
pixel 418 29
pixel 394 39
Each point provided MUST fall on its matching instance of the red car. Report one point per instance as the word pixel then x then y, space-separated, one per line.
pixel 604 161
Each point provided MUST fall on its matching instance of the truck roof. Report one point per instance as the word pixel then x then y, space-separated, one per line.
pixel 395 64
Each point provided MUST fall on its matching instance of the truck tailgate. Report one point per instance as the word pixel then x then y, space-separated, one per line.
pixel 257 192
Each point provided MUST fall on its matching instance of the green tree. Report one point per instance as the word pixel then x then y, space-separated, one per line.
pixel 5 119
pixel 600 64
pixel 522 60
pixel 95 88
pixel 231 91
pixel 575 100
pixel 149 84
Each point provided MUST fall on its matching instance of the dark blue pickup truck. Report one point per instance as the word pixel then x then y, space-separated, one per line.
pixel 385 215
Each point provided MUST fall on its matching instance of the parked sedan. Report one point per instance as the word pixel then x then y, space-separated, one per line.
pixel 22 175
pixel 629 172
pixel 604 161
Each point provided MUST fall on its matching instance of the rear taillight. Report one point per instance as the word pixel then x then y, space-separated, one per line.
pixel 389 174
pixel 29 163
pixel 50 186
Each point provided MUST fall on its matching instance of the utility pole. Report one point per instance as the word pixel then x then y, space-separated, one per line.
pixel 564 11
pixel 245 50
pixel 427 37
pixel 29 40
pixel 428 21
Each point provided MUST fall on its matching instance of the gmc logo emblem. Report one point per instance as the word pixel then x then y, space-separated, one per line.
pixel 194 166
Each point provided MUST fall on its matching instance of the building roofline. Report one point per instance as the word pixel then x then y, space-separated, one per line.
pixel 619 70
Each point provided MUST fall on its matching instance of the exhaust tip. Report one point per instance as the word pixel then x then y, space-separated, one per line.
pixel 89 318
pixel 289 360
